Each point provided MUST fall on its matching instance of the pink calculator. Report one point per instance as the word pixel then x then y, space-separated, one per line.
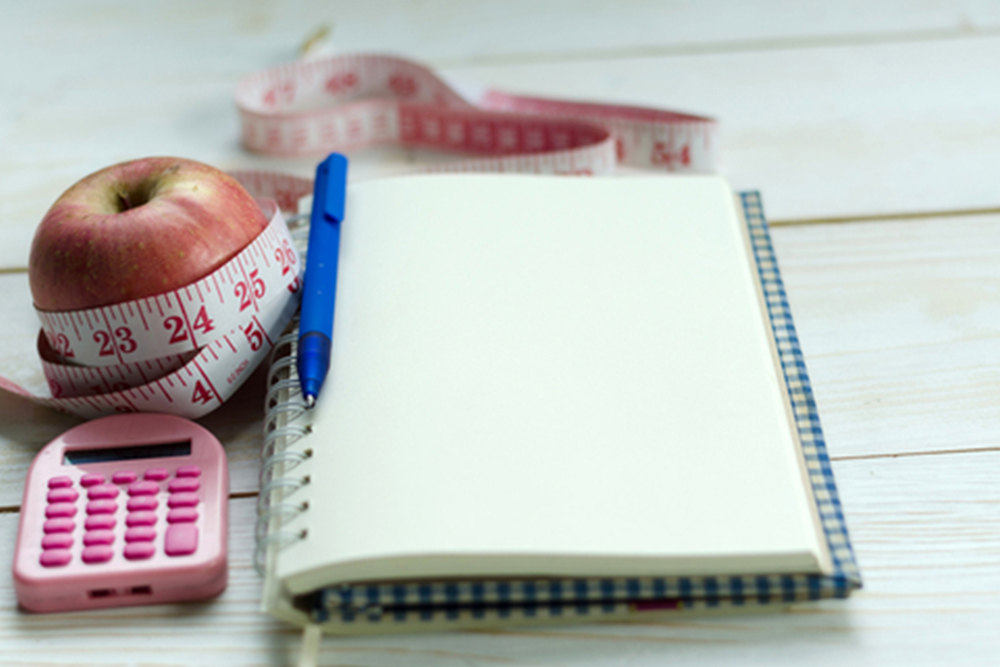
pixel 124 510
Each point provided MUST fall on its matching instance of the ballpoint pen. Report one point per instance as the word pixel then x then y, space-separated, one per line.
pixel 319 290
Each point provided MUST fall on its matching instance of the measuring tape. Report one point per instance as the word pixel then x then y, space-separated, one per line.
pixel 186 351
pixel 350 102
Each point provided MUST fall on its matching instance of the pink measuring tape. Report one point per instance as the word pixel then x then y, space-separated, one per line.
pixel 186 351
pixel 349 102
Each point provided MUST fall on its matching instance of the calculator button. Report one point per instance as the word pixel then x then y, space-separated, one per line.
pixel 183 484
pixel 140 534
pixel 58 526
pixel 157 474
pixel 140 519
pixel 142 503
pixel 92 537
pixel 188 471
pixel 102 507
pixel 64 495
pixel 182 515
pixel 182 500
pixel 61 482
pixel 57 541
pixel 100 522
pixel 181 539
pixel 97 554
pixel 143 488
pixel 60 510
pixel 123 477
pixel 92 480
pixel 55 557
pixel 139 550
pixel 102 491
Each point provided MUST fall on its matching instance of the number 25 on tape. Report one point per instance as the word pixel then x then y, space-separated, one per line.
pixel 248 295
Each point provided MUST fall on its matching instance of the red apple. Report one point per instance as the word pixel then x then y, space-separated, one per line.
pixel 137 229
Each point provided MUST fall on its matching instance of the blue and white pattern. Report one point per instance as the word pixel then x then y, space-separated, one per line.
pixel 470 603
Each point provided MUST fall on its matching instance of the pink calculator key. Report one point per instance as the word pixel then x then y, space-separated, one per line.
pixel 58 526
pixel 182 500
pixel 140 503
pixel 97 554
pixel 181 539
pixel 139 550
pixel 140 519
pixel 188 471
pixel 140 534
pixel 60 510
pixel 183 484
pixel 182 515
pixel 157 474
pixel 100 522
pixel 60 482
pixel 57 541
pixel 102 507
pixel 63 495
pixel 92 537
pixel 143 488
pixel 102 491
pixel 123 477
pixel 55 557
pixel 92 480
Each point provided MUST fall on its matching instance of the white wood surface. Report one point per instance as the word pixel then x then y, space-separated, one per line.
pixel 852 109
pixel 927 546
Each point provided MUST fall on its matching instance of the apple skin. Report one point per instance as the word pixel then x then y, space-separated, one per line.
pixel 137 229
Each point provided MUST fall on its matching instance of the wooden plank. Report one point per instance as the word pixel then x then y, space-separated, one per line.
pixel 872 286
pixel 824 131
pixel 924 529
pixel 899 322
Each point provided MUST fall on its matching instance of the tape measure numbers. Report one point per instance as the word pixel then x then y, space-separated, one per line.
pixel 185 351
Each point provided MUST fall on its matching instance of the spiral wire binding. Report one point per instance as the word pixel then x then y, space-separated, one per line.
pixel 283 405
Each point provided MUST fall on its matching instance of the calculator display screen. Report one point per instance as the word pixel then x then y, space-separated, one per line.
pixel 166 449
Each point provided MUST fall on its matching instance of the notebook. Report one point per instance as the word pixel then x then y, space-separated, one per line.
pixel 550 399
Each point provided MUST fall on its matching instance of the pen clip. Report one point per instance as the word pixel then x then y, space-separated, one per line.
pixel 335 166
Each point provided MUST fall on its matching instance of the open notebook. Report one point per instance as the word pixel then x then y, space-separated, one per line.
pixel 549 399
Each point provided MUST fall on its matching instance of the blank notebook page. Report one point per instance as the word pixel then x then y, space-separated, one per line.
pixel 545 375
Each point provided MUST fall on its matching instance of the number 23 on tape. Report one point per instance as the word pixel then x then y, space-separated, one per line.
pixel 124 510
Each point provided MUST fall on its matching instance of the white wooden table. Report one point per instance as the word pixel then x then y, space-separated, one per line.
pixel 873 132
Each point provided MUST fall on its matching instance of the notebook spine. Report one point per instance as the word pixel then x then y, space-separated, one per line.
pixel 284 408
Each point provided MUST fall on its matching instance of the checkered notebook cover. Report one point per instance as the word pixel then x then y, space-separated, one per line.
pixel 363 608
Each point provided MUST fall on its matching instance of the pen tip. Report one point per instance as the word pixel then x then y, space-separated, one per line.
pixel 310 401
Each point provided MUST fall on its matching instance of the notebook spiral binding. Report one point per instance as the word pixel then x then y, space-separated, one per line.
pixel 283 406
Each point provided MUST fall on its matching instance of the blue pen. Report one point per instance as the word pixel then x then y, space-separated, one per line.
pixel 319 290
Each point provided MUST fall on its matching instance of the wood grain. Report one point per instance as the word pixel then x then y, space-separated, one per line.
pixel 824 132
pixel 899 322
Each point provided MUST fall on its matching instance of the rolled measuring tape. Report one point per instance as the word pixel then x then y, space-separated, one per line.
pixel 349 102
pixel 185 351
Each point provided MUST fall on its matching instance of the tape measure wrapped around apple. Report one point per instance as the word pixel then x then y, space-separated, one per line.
pixel 161 284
